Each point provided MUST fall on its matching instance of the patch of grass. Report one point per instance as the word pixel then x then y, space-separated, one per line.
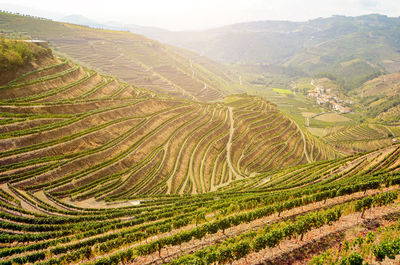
pixel 14 53
pixel 283 91
pixel 320 124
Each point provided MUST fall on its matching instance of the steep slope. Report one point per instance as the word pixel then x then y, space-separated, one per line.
pixel 357 166
pixel 364 137
pixel 379 98
pixel 277 218
pixel 78 133
pixel 136 59
pixel 95 171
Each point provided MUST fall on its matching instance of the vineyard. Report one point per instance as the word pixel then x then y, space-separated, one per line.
pixel 364 137
pixel 379 98
pixel 140 61
pixel 257 219
pixel 94 170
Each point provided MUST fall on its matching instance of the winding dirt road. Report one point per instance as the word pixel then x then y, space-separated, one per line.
pixel 229 144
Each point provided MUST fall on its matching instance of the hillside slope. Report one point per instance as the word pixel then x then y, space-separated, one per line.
pixel 95 171
pixel 362 166
pixel 78 133
pixel 379 99
pixel 277 218
pixel 136 59
pixel 363 137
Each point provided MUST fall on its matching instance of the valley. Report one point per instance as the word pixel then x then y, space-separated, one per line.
pixel 119 149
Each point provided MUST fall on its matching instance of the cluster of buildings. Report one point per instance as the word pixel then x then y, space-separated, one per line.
pixel 324 97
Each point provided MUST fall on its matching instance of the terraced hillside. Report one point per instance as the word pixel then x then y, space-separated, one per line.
pixel 274 218
pixel 383 162
pixel 361 138
pixel 80 134
pixel 379 98
pixel 95 171
pixel 138 60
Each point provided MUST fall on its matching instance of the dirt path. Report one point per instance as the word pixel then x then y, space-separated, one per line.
pixel 229 144
pixel 116 58
pixel 304 143
pixel 24 205
pixel 40 194
pixel 390 130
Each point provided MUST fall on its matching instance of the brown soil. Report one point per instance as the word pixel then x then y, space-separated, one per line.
pixel 348 221
pixel 292 250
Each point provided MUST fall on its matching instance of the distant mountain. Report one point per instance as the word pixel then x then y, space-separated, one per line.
pixel 81 20
pixel 350 48
pixel 113 25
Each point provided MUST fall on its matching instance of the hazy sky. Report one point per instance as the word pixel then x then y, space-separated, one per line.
pixel 199 14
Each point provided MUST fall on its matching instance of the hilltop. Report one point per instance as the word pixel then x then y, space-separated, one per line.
pixel 138 60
